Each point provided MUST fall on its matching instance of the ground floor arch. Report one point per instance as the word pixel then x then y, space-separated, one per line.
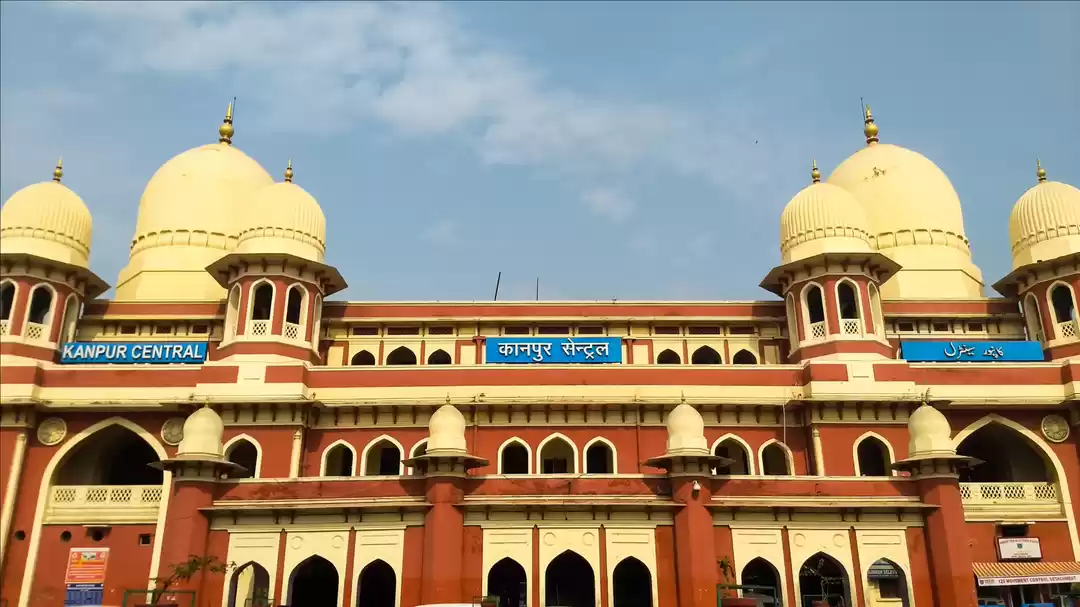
pixel 377 585
pixel 570 581
pixel 823 578
pixel 762 582
pixel 314 583
pixel 887 583
pixel 506 580
pixel 249 586
pixel 631 584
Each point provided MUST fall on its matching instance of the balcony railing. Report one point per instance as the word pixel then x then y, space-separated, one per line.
pixel 4 326
pixel 88 504
pixel 1066 329
pixel 259 327
pixel 35 331
pixel 817 330
pixel 291 330
pixel 1032 498
pixel 852 326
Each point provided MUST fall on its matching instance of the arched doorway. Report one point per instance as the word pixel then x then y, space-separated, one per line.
pixel 245 454
pixel 1007 457
pixel 873 457
pixel 735 451
pixel 377 586
pixel 506 580
pixel 557 457
pixel 822 577
pixel 514 459
pixel 631 584
pixel 249 586
pixel 599 459
pixel 111 456
pixel 383 459
pixel 314 583
pixel 763 582
pixel 569 582
pixel 886 583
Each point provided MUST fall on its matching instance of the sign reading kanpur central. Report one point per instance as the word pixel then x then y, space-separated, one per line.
pixel 121 353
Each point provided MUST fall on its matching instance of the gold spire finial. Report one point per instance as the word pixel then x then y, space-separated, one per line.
pixel 815 174
pixel 58 172
pixel 226 129
pixel 1039 171
pixel 288 172
pixel 870 129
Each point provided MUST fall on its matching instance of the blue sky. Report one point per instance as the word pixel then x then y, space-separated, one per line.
pixel 614 150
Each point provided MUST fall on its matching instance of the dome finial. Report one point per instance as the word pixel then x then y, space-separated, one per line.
pixel 870 129
pixel 815 174
pixel 226 129
pixel 1039 171
pixel 289 172
pixel 58 172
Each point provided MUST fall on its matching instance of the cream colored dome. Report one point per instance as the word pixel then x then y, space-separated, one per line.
pixel 188 218
pixel 47 219
pixel 686 432
pixel 1045 222
pixel 284 219
pixel 929 434
pixel 203 430
pixel 446 431
pixel 822 218
pixel 915 218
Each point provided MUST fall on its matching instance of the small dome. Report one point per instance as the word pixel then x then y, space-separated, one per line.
pixel 1045 222
pixel 48 220
pixel 929 434
pixel 203 430
pixel 284 219
pixel 822 218
pixel 686 432
pixel 446 430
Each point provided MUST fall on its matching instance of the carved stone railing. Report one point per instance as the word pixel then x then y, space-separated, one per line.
pixel 817 330
pixel 990 499
pixel 112 504
pixel 258 328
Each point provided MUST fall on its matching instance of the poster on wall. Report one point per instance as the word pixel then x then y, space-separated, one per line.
pixel 85 577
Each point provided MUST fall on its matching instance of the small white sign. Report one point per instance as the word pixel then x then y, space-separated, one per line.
pixel 1019 548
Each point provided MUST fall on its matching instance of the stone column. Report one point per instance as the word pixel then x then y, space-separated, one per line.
pixel 298 452
pixel 695 543
pixel 444 541
pixel 819 453
pixel 186 528
pixel 11 491
pixel 949 552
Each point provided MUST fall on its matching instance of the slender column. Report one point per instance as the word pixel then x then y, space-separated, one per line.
pixel 819 453
pixel 444 541
pixel 949 552
pixel 188 528
pixel 695 543
pixel 11 492
pixel 297 453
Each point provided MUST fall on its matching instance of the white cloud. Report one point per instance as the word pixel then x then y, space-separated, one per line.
pixel 609 203
pixel 444 232
pixel 416 69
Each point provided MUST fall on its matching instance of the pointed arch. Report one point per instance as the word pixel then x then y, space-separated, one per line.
pixel 420 448
pixel 570 572
pixel 573 468
pixel 600 441
pixel 310 576
pixel 238 591
pixel 9 289
pixel 401 355
pixel 234 442
pixel 1048 455
pixel 789 459
pixel 439 357
pixel 744 357
pixel 261 301
pixel 761 572
pixel 875 310
pixel 316 327
pixel 890 455
pixel 746 448
pixel 631 584
pixel 705 355
pixel 375 443
pixel 41 310
pixel 850 309
pixel 363 358
pixel 513 440
pixel 296 297
pixel 377 584
pixel 329 449
pixel 1033 318
pixel 49 475
pixel 792 321
pixel 815 320
pixel 232 312
pixel 668 357
pixel 71 318
pixel 507 580
pixel 901 588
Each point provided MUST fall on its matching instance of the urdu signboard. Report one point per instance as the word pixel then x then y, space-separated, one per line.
pixel 971 351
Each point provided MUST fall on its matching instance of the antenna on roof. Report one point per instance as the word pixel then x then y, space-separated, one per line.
pixel 537 288
pixel 498 279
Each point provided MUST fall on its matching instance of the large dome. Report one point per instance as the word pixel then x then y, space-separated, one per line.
pixel 915 219
pixel 1045 222
pixel 822 218
pixel 189 217
pixel 284 219
pixel 48 220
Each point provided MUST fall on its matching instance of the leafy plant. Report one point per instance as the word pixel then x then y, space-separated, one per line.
pixel 184 571
pixel 727 570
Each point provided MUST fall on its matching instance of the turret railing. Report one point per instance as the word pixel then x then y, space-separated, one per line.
pixel 291 330
pixel 1066 329
pixel 115 504
pixel 4 324
pixel 817 330
pixel 258 328
pixel 36 331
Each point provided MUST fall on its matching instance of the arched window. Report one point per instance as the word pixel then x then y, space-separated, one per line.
pixel 71 319
pixel 41 305
pixel 763 580
pixel 114 455
pixel 792 321
pixel 823 578
pixel 514 457
pixel 631 584
pixel 569 580
pixel 243 452
pixel 1061 300
pixel 376 587
pixel 7 299
pixel 418 450
pixel 872 457
pixel 847 296
pixel 506 580
pixel 668 357
pixel 382 457
pixel 775 459
pixel 401 356
pixel 249 585
pixel 314 582
pixel 262 303
pixel 316 327
pixel 232 314
pixel 739 454
pixel 439 357
pixel 599 457
pixel 875 310
pixel 557 456
pixel 744 357
pixel 1033 318
pixel 339 460
pixel 705 356
pixel 363 358
pixel 815 311
pixel 294 305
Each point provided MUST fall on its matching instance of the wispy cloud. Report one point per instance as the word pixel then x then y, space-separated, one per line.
pixel 609 203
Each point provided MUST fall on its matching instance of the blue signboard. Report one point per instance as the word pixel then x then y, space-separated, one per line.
pixel 554 350
pixel 971 351
pixel 84 595
pixel 129 353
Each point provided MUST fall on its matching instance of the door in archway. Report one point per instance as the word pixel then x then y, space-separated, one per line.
pixel 823 578
pixel 569 582
pixel 314 583
pixel 377 586
pixel 631 584
pixel 506 580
